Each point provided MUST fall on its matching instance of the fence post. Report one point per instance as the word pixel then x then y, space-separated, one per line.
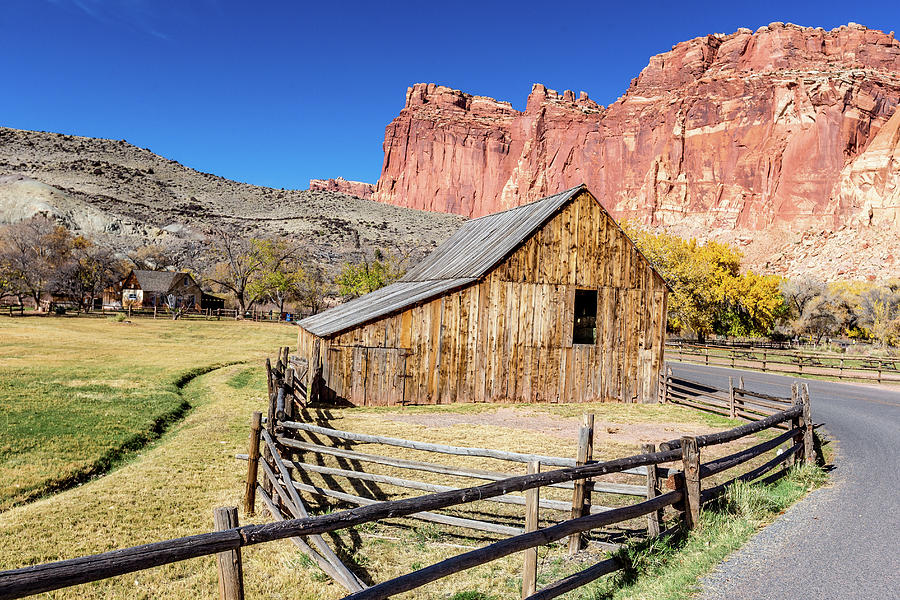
pixel 532 501
pixel 582 488
pixel 690 458
pixel 652 492
pixel 252 464
pixel 841 376
pixel 668 383
pixel 796 422
pixel 706 352
pixel 270 424
pixel 231 575
pixel 765 353
pixel 809 452
pixel 731 397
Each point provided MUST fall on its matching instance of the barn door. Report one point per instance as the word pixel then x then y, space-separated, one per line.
pixel 379 376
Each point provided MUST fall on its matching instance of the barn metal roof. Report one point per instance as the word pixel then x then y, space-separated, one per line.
pixel 463 259
pixel 391 298
pixel 481 243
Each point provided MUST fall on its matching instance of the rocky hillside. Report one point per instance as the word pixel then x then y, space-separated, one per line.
pixel 129 196
pixel 777 140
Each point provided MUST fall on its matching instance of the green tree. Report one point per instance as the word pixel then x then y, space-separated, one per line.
pixel 281 273
pixel 367 276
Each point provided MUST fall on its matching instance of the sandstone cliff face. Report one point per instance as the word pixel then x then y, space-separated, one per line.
pixel 344 186
pixel 750 137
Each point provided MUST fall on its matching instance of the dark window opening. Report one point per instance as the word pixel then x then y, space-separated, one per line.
pixel 585 328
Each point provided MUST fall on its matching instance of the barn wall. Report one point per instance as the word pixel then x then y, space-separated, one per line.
pixel 508 338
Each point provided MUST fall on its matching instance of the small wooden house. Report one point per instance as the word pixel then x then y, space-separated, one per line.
pixel 146 289
pixel 547 302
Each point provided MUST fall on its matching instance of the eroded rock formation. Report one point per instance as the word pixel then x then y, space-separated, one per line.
pixel 345 186
pixel 753 137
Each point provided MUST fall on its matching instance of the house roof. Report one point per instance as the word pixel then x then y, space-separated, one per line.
pixel 156 281
pixel 465 257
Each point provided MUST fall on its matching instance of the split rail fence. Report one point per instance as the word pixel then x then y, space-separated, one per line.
pixel 789 362
pixel 277 462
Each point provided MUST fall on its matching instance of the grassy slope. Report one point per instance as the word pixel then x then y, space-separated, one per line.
pixel 76 394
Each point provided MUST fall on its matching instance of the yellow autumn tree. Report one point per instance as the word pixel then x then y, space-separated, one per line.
pixel 709 293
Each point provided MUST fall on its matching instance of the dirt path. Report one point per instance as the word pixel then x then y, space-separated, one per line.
pixel 562 427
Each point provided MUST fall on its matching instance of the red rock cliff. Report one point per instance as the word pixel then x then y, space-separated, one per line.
pixel 354 188
pixel 723 136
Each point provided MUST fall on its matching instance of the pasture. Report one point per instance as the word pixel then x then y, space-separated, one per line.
pixel 78 395
pixel 170 487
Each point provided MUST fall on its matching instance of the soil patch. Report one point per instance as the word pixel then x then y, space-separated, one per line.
pixel 557 426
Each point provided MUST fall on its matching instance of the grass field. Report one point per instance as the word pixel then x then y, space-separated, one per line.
pixel 76 395
pixel 170 487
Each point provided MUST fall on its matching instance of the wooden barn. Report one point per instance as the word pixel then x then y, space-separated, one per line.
pixel 547 302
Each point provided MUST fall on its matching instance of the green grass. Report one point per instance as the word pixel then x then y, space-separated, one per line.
pixel 79 395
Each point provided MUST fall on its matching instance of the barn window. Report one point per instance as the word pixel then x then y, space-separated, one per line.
pixel 584 330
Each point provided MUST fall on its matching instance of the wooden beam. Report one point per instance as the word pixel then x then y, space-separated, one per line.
pixel 555 461
pixel 653 491
pixel 809 449
pixel 299 542
pixel 532 503
pixel 402 463
pixel 297 507
pixel 422 516
pixel 711 439
pixel 231 576
pixel 429 487
pixel 691 461
pixel 252 464
pixel 578 494
pixel 508 546
pixel 572 582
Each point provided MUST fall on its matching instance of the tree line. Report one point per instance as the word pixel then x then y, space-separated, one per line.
pixel 41 258
pixel 712 294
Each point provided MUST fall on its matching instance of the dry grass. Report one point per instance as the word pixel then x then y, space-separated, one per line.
pixel 171 487
pixel 77 394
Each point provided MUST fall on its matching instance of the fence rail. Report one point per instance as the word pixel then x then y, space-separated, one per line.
pixel 272 451
pixel 789 362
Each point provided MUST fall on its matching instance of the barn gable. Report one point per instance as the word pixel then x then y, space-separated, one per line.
pixel 491 316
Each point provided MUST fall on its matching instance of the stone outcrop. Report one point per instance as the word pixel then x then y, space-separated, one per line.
pixel 869 187
pixel 344 186
pixel 753 137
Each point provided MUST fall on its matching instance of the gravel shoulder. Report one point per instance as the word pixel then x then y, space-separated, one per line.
pixel 842 540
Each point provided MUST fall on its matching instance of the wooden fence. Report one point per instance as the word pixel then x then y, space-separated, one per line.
pixel 672 476
pixel 789 362
pixel 733 402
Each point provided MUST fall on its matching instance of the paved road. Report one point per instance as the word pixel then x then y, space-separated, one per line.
pixel 842 541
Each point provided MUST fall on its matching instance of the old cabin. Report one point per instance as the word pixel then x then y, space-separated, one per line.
pixel 146 289
pixel 547 302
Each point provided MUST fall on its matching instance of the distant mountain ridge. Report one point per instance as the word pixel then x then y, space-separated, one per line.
pixel 128 196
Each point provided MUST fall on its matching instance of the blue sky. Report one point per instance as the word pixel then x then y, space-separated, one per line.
pixel 275 93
